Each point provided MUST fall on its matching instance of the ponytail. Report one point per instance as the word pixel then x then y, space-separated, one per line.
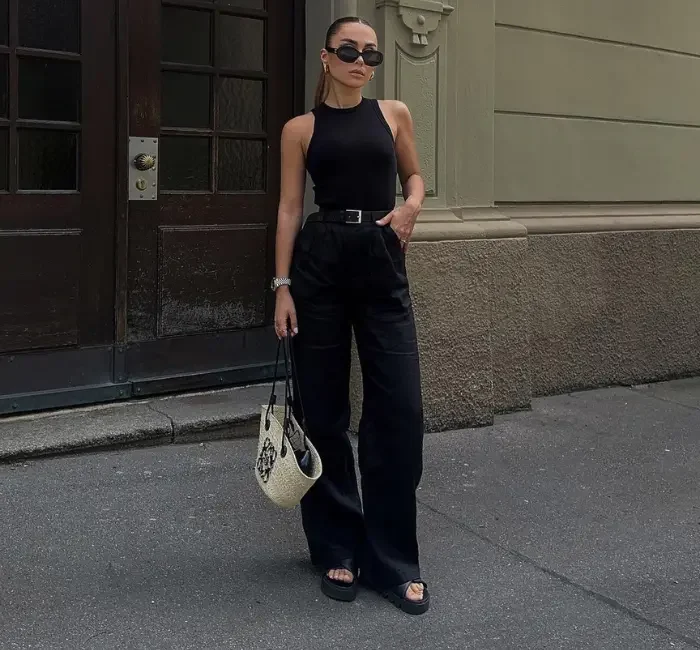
pixel 322 89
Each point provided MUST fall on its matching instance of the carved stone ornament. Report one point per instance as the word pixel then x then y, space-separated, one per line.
pixel 420 16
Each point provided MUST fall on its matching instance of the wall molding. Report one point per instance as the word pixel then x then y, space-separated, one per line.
pixel 524 220
pixel 570 219
pixel 422 17
pixel 465 223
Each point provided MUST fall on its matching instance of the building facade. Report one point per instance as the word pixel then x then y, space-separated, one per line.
pixel 139 145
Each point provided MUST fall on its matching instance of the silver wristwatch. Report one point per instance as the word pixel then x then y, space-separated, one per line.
pixel 279 282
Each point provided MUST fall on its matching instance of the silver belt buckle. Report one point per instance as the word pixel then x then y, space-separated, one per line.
pixel 353 216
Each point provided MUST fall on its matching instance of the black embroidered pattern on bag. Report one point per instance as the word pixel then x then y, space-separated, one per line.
pixel 266 460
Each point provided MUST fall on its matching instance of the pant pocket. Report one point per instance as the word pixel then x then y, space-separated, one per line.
pixel 392 235
pixel 394 249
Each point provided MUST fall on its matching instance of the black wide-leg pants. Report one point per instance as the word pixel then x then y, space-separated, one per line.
pixel 345 277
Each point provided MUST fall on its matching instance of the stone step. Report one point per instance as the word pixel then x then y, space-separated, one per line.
pixel 188 417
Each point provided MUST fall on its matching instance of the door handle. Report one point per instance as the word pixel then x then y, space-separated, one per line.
pixel 144 161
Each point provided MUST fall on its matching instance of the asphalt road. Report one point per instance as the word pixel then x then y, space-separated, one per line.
pixel 576 526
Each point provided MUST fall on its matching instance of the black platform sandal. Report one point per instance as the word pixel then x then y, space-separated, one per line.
pixel 397 596
pixel 339 589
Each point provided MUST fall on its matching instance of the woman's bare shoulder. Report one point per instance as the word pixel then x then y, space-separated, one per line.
pixel 395 113
pixel 397 109
pixel 300 127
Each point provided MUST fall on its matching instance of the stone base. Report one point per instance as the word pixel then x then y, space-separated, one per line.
pixel 613 308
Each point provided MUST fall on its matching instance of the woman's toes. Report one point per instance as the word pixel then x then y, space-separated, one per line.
pixel 340 574
pixel 415 591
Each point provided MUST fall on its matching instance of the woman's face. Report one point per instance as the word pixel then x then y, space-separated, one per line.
pixel 355 74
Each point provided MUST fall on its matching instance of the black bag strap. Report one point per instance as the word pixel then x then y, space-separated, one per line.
pixel 290 377
pixel 273 393
pixel 291 388
pixel 297 389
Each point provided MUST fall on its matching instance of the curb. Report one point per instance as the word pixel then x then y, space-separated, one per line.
pixel 178 419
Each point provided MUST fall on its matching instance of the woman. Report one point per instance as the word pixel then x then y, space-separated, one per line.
pixel 346 270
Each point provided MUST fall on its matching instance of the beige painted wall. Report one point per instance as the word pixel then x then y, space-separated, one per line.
pixel 554 159
pixel 663 24
pixel 597 101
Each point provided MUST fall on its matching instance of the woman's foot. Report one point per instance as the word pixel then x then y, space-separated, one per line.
pixel 416 592
pixel 340 584
pixel 410 597
pixel 341 575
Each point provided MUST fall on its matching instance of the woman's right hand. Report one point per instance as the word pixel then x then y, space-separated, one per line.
pixel 285 313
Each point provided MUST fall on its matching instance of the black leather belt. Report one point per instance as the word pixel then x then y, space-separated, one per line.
pixel 348 216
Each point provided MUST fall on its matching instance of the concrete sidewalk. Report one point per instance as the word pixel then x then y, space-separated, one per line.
pixel 188 417
pixel 573 526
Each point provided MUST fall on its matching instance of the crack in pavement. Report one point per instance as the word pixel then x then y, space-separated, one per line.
pixel 99 634
pixel 600 597
pixel 639 391
pixel 632 389
pixel 151 407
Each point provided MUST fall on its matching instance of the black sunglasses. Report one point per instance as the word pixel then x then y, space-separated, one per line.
pixel 350 54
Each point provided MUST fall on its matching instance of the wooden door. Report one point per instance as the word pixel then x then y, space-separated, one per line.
pixel 57 202
pixel 214 81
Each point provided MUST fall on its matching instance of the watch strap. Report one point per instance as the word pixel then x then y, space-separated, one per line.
pixel 280 282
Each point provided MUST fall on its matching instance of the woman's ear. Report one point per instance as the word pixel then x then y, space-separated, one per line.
pixel 324 60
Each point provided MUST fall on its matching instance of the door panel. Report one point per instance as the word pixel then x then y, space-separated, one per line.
pixel 214 81
pixel 57 193
pixel 41 302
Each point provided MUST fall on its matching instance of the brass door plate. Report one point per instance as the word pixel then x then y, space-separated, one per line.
pixel 143 169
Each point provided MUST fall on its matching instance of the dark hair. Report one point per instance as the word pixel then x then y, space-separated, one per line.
pixel 323 88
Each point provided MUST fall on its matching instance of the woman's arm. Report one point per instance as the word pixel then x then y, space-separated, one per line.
pixel 403 219
pixel 407 156
pixel 291 205
pixel 289 217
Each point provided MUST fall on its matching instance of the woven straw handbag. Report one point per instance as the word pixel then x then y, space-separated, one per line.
pixel 287 464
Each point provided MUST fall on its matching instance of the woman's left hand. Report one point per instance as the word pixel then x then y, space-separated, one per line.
pixel 403 221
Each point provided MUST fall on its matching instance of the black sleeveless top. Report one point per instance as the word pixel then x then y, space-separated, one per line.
pixel 351 158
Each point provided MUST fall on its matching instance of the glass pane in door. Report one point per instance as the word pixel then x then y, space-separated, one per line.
pixel 49 90
pixel 186 100
pixel 241 165
pixel 184 164
pixel 4 23
pixel 3 159
pixel 240 43
pixel 186 36
pixel 48 160
pixel 4 90
pixel 50 24
pixel 241 105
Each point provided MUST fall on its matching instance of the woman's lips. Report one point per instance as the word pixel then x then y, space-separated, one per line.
pixel 357 72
